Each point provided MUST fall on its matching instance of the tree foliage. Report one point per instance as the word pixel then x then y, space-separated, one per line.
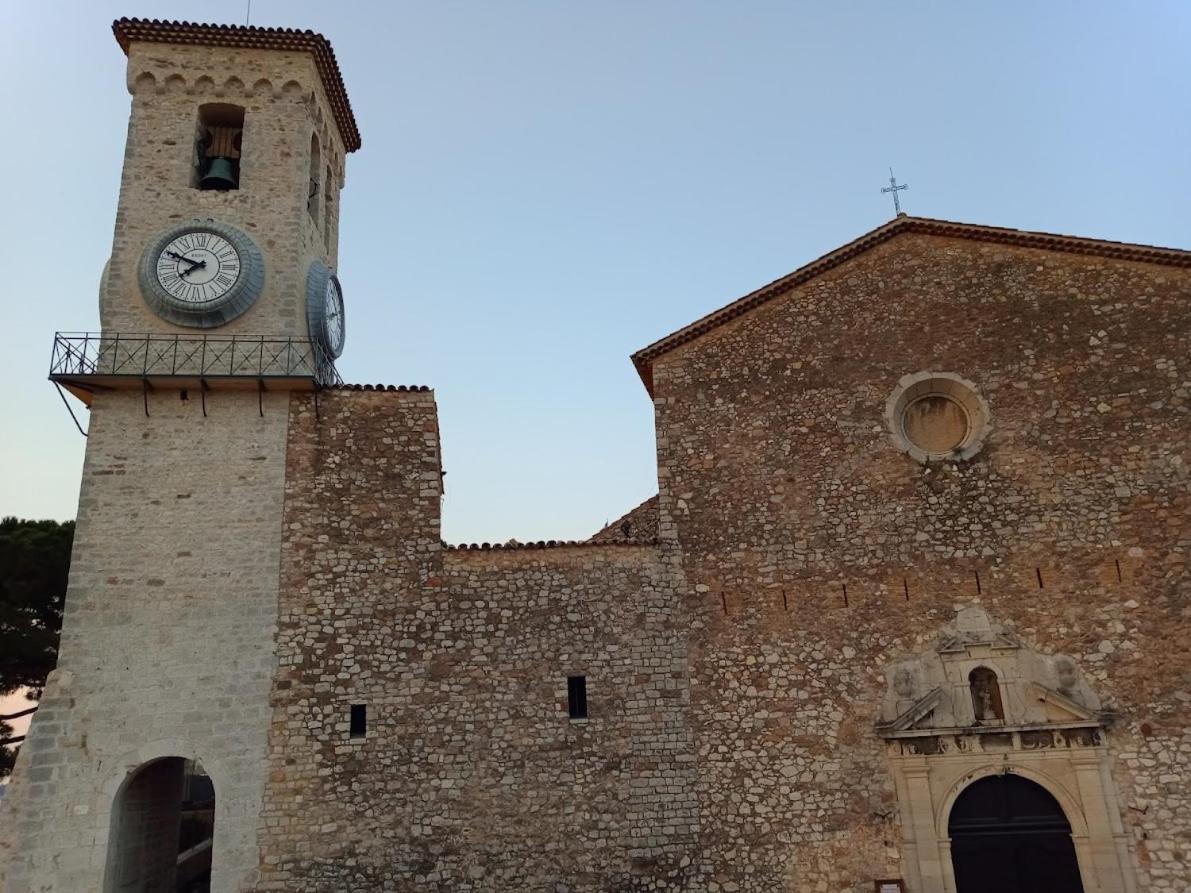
pixel 34 566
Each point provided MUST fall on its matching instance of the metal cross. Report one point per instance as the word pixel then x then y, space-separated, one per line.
pixel 894 187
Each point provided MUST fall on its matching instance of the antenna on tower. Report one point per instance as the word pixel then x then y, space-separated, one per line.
pixel 893 187
pixel 248 15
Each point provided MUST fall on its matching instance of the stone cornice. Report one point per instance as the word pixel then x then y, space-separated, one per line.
pixel 128 31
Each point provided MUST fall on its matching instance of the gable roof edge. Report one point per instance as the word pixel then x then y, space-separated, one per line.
pixel 643 359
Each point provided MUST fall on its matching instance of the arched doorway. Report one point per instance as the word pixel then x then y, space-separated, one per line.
pixel 1009 835
pixel 163 823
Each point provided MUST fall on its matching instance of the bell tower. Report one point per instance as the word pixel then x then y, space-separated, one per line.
pixel 219 301
pixel 245 127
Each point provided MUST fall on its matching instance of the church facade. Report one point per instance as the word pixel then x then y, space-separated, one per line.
pixel 909 611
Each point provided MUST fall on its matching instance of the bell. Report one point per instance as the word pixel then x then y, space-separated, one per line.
pixel 220 175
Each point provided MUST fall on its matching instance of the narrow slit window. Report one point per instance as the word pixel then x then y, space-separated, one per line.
pixel 312 192
pixel 359 720
pixel 577 696
pixel 327 211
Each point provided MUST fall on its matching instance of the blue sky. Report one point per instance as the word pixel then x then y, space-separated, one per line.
pixel 546 187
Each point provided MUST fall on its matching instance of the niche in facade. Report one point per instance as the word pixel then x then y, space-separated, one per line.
pixel 986 696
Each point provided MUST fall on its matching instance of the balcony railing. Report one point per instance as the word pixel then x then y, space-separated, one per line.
pixel 80 357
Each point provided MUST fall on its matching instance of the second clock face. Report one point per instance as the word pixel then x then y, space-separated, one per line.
pixel 333 316
pixel 324 309
pixel 198 267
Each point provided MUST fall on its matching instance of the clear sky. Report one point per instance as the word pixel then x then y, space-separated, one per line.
pixel 547 186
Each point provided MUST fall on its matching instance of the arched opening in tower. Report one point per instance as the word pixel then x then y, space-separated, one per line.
pixel 163 824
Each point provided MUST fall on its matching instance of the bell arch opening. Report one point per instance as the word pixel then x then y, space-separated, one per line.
pixel 218 146
pixel 163 824
pixel 1010 833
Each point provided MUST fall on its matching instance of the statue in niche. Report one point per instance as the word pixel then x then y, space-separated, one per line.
pixel 986 696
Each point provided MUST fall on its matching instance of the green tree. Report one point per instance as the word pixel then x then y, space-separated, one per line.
pixel 34 566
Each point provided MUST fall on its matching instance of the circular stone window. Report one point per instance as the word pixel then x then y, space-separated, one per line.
pixel 937 416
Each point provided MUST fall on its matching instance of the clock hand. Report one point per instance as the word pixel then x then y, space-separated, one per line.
pixel 194 265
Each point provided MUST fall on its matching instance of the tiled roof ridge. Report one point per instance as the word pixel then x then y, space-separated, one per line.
pixel 412 388
pixel 514 546
pixel 253 37
pixel 643 359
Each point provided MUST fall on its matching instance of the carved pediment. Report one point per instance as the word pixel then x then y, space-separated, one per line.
pixel 916 713
pixel 981 679
pixel 973 629
pixel 1060 708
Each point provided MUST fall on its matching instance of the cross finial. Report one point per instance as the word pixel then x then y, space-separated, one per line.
pixel 893 187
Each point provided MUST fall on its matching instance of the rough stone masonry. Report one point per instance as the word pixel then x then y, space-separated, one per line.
pixel 921 530
pixel 737 664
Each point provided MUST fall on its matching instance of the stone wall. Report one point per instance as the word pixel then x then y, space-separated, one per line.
pixel 736 666
pixel 284 104
pixel 818 553
pixel 168 635
pixel 471 775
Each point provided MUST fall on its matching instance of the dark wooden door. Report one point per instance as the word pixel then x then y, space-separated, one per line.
pixel 1008 835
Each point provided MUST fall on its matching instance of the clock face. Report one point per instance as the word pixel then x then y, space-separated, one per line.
pixel 324 309
pixel 198 267
pixel 203 273
pixel 333 316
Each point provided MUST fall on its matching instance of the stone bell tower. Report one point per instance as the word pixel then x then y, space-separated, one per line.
pixel 220 300
pixel 246 127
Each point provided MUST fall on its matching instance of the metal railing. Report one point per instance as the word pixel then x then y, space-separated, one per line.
pixel 88 354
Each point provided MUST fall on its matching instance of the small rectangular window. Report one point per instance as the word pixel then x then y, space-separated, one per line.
pixel 577 696
pixel 359 720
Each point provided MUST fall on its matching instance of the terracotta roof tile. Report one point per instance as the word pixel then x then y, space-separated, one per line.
pixel 251 37
pixel 378 387
pixel 644 358
pixel 513 545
